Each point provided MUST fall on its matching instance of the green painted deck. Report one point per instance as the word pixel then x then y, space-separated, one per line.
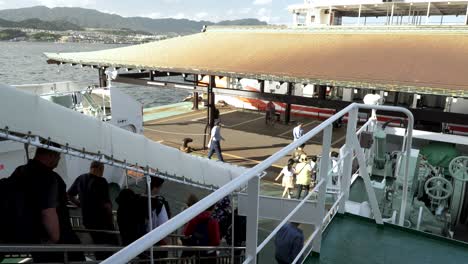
pixel 165 111
pixel 355 240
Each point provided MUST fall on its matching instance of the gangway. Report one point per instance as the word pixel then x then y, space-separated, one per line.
pixel 116 147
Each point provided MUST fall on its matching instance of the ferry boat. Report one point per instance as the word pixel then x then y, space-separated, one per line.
pixel 393 188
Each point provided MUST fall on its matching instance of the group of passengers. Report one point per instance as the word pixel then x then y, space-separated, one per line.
pixel 300 173
pixel 40 212
pixel 301 170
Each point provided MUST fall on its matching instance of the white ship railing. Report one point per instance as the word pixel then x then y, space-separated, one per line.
pixel 252 179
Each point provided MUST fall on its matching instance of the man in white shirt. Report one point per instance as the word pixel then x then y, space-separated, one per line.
pixel 215 141
pixel 298 131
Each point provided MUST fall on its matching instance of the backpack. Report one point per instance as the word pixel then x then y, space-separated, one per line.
pixel 5 208
pixel 158 202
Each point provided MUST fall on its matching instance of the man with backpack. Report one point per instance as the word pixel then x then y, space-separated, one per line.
pixel 34 207
pixel 203 230
pixel 96 207
pixel 132 214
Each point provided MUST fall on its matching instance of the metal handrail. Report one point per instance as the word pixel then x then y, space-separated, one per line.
pixel 131 251
pixel 23 248
pixel 162 231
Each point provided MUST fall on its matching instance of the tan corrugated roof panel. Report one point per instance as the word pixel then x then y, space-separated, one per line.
pixel 396 60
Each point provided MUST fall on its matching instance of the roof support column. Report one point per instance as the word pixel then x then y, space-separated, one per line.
pixel 466 16
pixel 195 94
pixel 393 11
pixel 211 102
pixel 151 74
pixel 359 14
pixel 409 14
pixel 428 12
pixel 211 108
pixel 441 19
pixel 287 111
pixel 262 86
pixel 102 78
pixel 322 92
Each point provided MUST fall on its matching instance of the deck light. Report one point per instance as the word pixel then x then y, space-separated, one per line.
pixel 328 88
pixel 418 96
pixel 355 91
pixel 385 93
pixel 454 100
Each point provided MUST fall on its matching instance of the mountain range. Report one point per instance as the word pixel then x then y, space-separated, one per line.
pixel 89 18
pixel 35 23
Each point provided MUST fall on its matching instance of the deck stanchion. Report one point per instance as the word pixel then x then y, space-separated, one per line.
pixel 150 218
pixel 323 172
pixel 253 191
pixel 348 160
pixel 287 111
pixel 195 94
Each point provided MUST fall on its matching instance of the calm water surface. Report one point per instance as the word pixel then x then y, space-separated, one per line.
pixel 24 63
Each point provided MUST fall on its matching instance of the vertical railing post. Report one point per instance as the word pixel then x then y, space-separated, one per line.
pixel 253 190
pixel 348 159
pixel 323 175
pixel 150 218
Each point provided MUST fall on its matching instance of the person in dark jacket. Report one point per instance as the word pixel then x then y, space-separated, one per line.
pixel 45 218
pixel 288 243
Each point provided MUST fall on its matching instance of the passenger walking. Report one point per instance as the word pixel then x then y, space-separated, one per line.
pixel 131 216
pixel 298 152
pixel 203 230
pixel 288 243
pixel 298 131
pixel 270 113
pixel 41 199
pixel 288 173
pixel 304 176
pixel 222 213
pixel 160 212
pixel 92 190
pixel 313 165
pixel 334 167
pixel 215 141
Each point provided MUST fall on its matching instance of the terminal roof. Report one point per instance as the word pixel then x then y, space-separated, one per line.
pixel 423 61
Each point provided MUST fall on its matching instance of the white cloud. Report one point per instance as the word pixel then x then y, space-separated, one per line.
pixel 262 2
pixel 263 11
pixel 179 16
pixel 2 3
pixel 152 15
pixel 264 14
pixel 230 12
pixel 201 15
pixel 108 12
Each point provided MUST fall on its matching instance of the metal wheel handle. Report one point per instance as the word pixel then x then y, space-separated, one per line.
pixel 438 188
pixel 458 168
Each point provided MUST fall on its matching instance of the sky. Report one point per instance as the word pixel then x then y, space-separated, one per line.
pixel 271 11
